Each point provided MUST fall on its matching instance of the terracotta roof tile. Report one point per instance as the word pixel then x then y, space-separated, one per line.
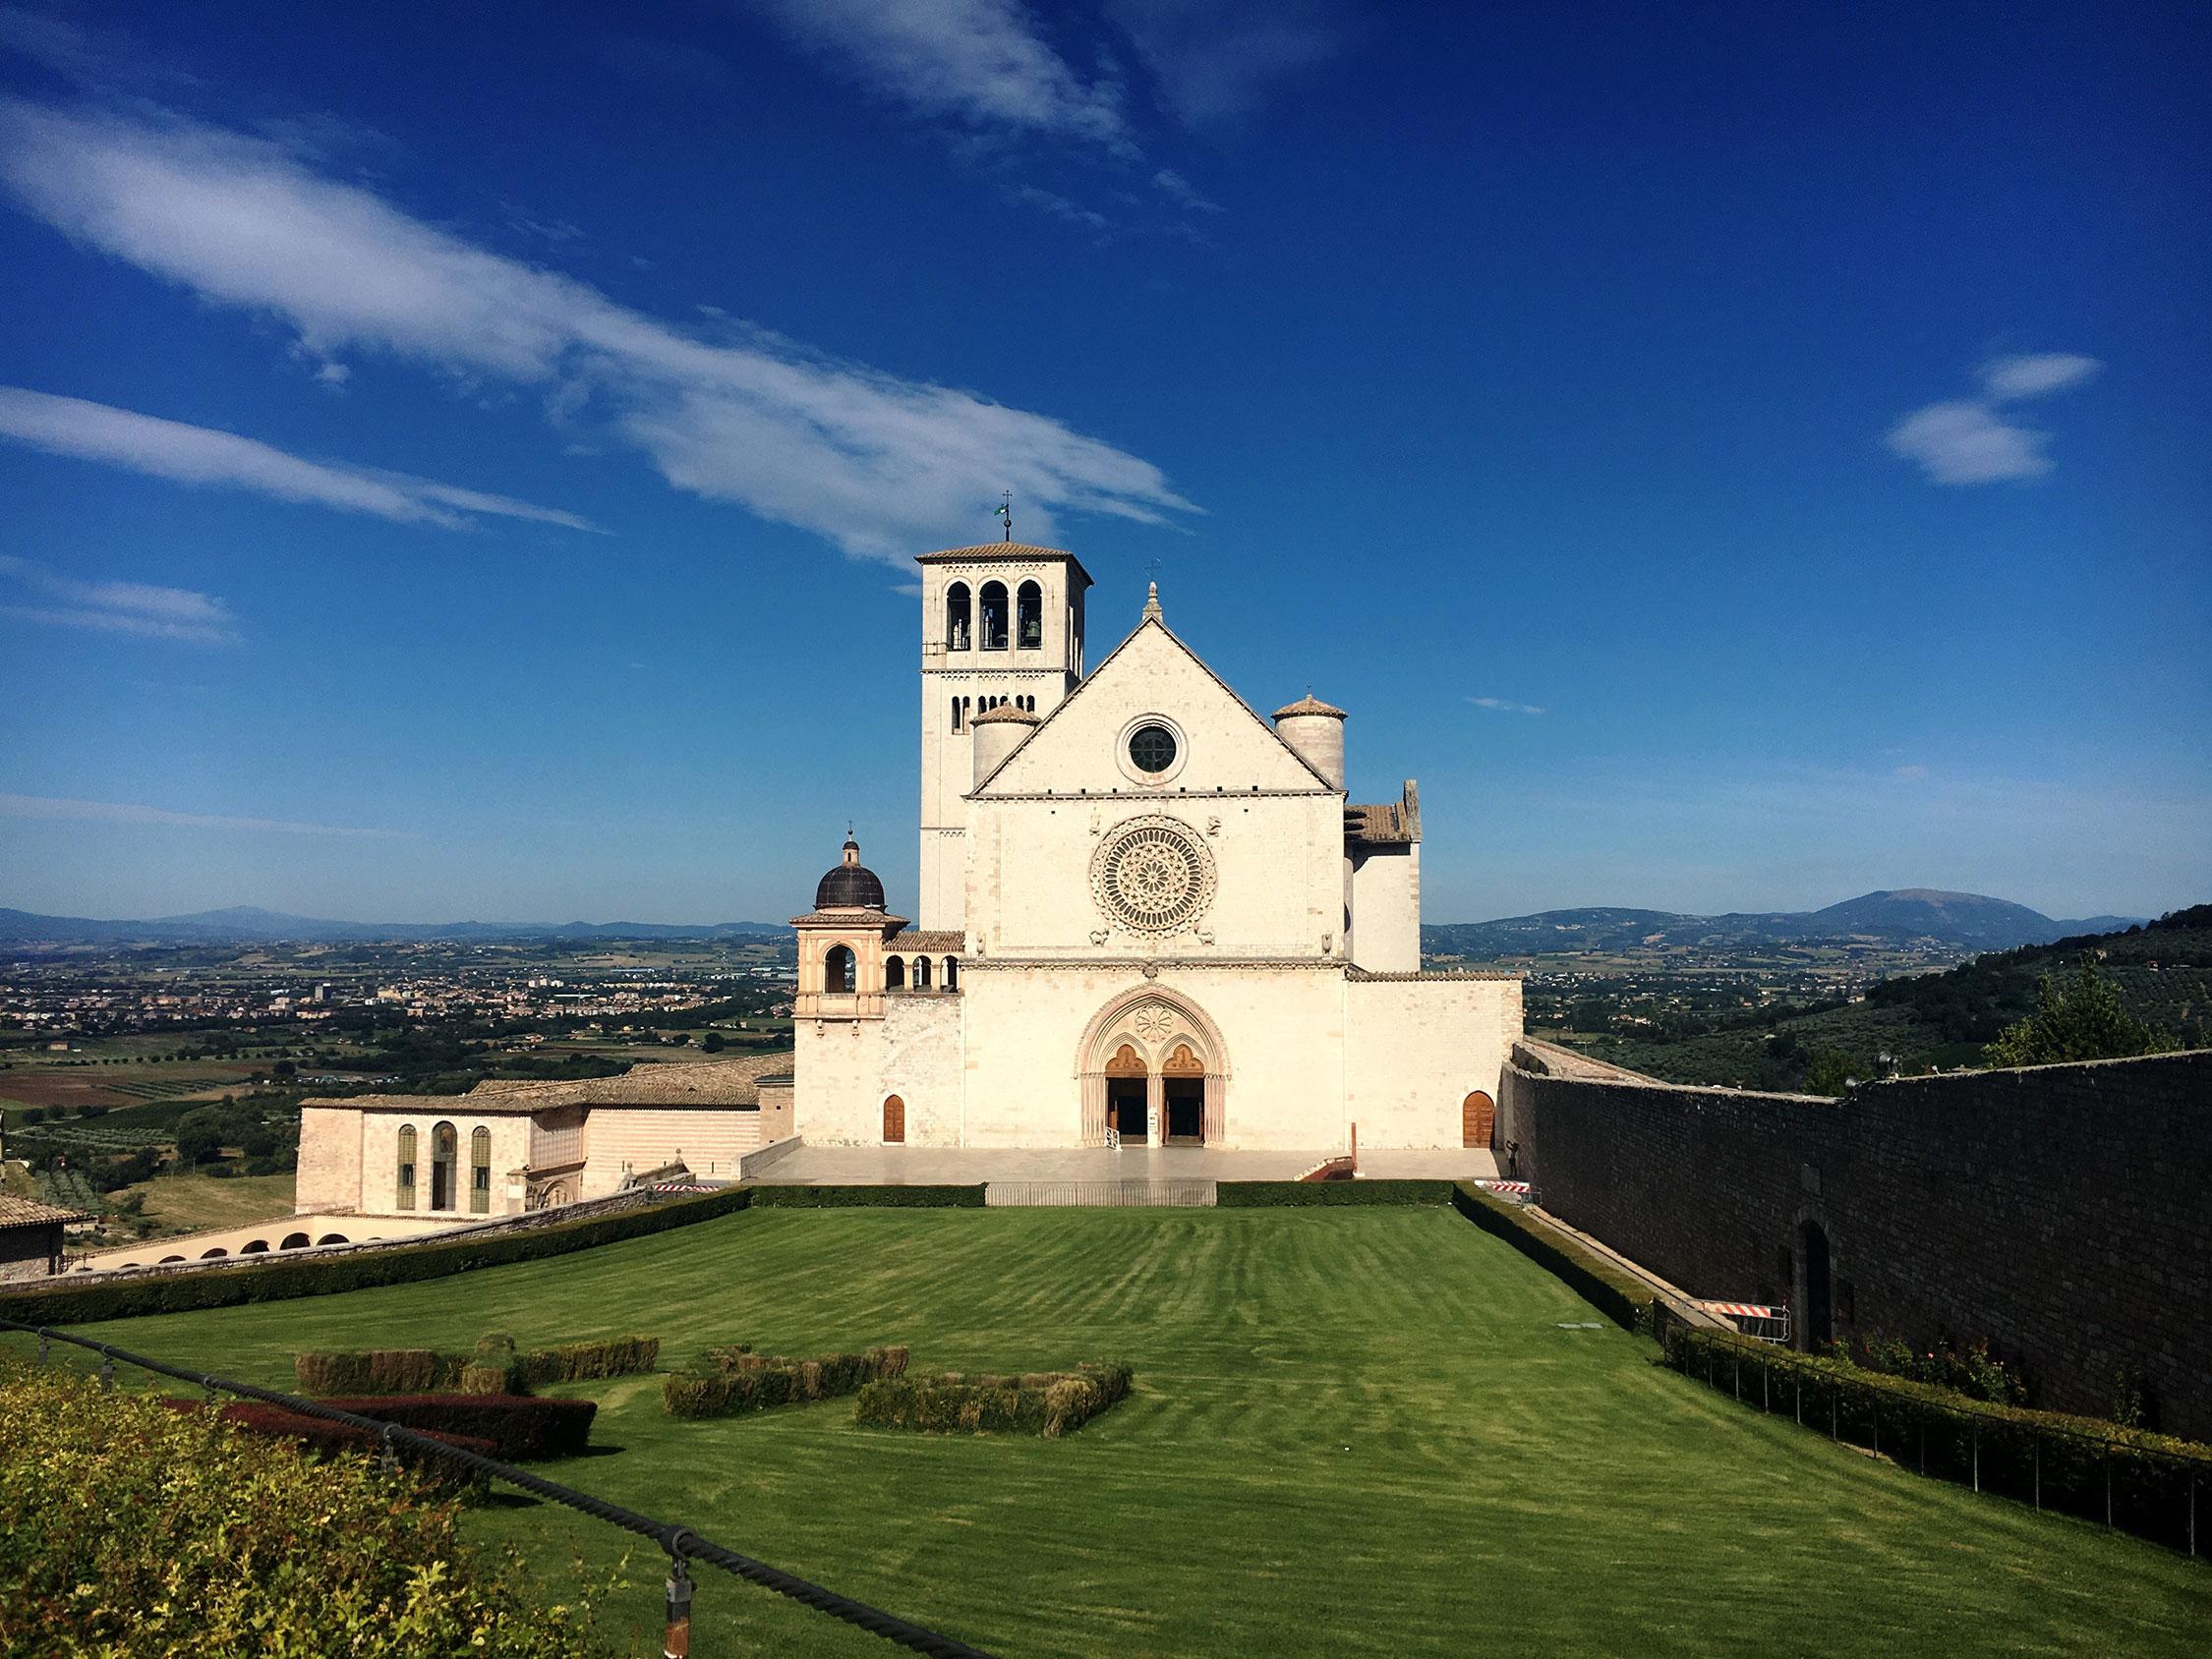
pixel 28 1212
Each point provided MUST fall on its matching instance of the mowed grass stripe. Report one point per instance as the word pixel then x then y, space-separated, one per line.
pixel 1352 1431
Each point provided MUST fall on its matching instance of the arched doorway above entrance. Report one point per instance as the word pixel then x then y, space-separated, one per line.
pixel 1154 1068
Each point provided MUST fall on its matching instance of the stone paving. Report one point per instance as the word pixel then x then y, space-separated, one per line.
pixel 922 1165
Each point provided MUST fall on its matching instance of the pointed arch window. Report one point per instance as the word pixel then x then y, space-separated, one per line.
pixel 1029 616
pixel 445 1150
pixel 838 971
pixel 991 623
pixel 406 1189
pixel 480 1170
pixel 956 617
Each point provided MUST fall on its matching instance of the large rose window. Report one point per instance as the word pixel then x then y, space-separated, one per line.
pixel 1152 876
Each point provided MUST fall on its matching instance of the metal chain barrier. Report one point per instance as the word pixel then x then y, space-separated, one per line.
pixel 681 1545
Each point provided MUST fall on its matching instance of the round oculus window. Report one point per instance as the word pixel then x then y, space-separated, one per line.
pixel 1151 749
pixel 1152 876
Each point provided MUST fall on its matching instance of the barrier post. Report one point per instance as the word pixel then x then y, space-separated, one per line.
pixel 675 1643
pixel 1977 1456
pixel 2035 1443
pixel 107 1372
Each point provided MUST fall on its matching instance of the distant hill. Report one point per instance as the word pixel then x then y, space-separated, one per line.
pixel 248 924
pixel 2161 971
pixel 1961 921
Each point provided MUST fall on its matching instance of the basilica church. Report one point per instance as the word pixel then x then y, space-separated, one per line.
pixel 1147 915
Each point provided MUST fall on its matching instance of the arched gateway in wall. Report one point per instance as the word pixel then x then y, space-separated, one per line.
pixel 1153 1066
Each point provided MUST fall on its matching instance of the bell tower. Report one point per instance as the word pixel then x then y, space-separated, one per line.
pixel 1002 623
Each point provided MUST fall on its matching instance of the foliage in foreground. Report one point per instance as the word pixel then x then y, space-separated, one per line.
pixel 2081 1020
pixel 1050 1404
pixel 733 1379
pixel 137 1531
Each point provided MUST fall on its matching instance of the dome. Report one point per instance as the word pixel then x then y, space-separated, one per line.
pixel 851 885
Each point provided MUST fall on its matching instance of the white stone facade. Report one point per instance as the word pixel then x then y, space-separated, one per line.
pixel 1169 924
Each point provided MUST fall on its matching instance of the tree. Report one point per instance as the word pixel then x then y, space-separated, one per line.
pixel 1832 1072
pixel 2081 1020
pixel 712 1042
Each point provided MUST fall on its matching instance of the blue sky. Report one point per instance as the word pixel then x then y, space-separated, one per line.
pixel 463 461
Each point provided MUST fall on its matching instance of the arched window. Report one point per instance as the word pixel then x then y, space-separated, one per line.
pixel 407 1166
pixel 952 973
pixel 837 971
pixel 1029 616
pixel 445 1153
pixel 480 1170
pixel 956 713
pixel 894 973
pixel 956 616
pixel 992 623
pixel 921 973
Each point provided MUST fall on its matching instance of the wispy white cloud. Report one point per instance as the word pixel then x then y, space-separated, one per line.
pixel 1505 706
pixel 200 455
pixel 2006 379
pixel 1182 192
pixel 984 65
pixel 1965 440
pixel 119 812
pixel 1220 60
pixel 1061 207
pixel 88 57
pixel 119 608
pixel 878 463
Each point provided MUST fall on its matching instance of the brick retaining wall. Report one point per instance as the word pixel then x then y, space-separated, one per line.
pixel 2062 1211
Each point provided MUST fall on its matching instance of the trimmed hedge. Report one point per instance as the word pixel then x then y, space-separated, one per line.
pixel 582 1362
pixel 379 1371
pixel 1622 1297
pixel 280 1279
pixel 867 1197
pixel 1269 1195
pixel 495 1370
pixel 520 1429
pixel 731 1380
pixel 2080 1466
pixel 1050 1404
pixel 319 1434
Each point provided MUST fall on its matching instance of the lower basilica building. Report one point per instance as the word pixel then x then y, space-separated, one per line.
pixel 1147 915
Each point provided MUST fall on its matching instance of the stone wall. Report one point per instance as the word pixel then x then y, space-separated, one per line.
pixel 30 1252
pixel 2063 1212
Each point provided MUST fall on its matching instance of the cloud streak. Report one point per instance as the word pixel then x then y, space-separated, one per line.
pixel 119 608
pixel 118 812
pixel 877 464
pixel 1505 706
pixel 1966 441
pixel 204 457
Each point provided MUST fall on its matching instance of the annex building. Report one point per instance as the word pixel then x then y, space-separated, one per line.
pixel 1146 914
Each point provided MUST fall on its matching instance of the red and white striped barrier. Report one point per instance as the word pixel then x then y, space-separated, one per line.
pixel 1512 1189
pixel 1744 1310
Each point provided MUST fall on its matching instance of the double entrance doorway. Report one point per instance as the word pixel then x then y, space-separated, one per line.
pixel 1153 1073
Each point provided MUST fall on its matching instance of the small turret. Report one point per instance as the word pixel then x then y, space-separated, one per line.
pixel 997 733
pixel 1315 731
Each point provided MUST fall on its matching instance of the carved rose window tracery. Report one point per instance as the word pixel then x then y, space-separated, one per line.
pixel 1152 876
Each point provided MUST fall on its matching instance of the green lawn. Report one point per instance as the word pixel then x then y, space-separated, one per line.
pixel 1354 1430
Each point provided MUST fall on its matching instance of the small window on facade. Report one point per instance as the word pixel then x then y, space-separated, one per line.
pixel 837 971
pixel 480 1170
pixel 992 623
pixel 1152 749
pixel 407 1167
pixel 1029 616
pixel 445 1150
pixel 956 616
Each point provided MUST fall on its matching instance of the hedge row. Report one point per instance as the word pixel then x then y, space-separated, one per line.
pixel 2101 1471
pixel 493 1368
pixel 1050 1404
pixel 521 1429
pixel 282 1279
pixel 1621 1297
pixel 729 1381
pixel 1269 1195
pixel 319 1434
pixel 867 1197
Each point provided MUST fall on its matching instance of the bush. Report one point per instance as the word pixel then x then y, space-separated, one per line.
pixel 521 1429
pixel 322 1435
pixel 1050 1404
pixel 610 1357
pixel 727 1381
pixel 2080 1466
pixel 379 1371
pixel 1621 1297
pixel 867 1197
pixel 493 1368
pixel 135 1532
pixel 1269 1195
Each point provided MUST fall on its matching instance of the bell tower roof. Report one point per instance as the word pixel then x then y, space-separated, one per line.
pixel 1008 552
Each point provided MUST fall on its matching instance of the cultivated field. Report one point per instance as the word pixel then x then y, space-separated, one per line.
pixel 1357 1430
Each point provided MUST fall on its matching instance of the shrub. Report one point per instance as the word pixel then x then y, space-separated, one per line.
pixel 1267 1195
pixel 492 1368
pixel 610 1357
pixel 1050 1404
pixel 135 1532
pixel 322 1435
pixel 379 1371
pixel 1621 1297
pixel 523 1430
pixel 727 1381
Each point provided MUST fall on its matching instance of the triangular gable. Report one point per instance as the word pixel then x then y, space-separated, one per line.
pixel 1072 748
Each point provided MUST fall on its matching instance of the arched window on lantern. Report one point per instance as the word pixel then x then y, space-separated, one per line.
pixel 1029 616
pixel 991 624
pixel 894 973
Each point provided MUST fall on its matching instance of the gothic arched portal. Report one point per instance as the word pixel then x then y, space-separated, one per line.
pixel 1153 1066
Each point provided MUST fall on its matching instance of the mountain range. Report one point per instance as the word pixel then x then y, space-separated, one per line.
pixel 1963 921
pixel 1960 920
